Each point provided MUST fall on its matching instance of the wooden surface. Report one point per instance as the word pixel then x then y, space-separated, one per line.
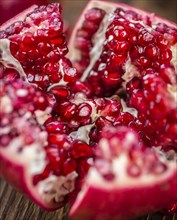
pixel 14 206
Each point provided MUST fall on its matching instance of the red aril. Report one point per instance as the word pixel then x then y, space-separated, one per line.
pixel 38 158
pixel 127 47
pixel 34 44
pixel 124 42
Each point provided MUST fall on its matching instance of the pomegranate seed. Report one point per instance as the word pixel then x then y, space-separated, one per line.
pixel 152 51
pixel 133 170
pixel 55 126
pixel 60 92
pixel 81 149
pixel 109 176
pixel 68 166
pixel 166 56
pixel 84 111
pixel 83 166
pixel 94 15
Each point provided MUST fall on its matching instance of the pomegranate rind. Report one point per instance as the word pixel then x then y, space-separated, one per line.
pixel 109 200
pixel 22 180
pixel 21 159
pixel 111 191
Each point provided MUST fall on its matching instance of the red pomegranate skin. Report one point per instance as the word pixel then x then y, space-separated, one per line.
pixel 123 193
pixel 119 207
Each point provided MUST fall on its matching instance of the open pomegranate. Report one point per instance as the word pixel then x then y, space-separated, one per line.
pixel 97 123
pixel 118 48
pixel 124 177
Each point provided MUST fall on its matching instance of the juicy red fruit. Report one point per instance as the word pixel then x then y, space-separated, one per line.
pixel 127 47
pixel 156 109
pixel 123 166
pixel 40 48
pixel 24 110
pixel 133 46
pixel 76 144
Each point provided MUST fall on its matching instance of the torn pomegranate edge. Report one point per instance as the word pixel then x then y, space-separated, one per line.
pixel 100 184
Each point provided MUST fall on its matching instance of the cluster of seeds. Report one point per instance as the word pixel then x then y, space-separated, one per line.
pixel 19 102
pixel 39 44
pixel 85 35
pixel 129 42
pixel 122 142
pixel 156 109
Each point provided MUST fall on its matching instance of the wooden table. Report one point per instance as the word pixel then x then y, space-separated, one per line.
pixel 15 206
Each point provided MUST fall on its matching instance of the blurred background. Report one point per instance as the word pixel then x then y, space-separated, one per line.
pixel 72 8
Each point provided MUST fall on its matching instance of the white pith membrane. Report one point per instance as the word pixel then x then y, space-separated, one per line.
pixel 32 157
pixel 8 60
pixel 173 91
pixel 169 155
pixel 118 165
pixel 82 133
pixel 61 82
pixel 99 38
pixel 42 116
pixel 132 111
pixel 174 56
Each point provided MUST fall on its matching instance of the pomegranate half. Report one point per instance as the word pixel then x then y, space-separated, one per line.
pixel 126 181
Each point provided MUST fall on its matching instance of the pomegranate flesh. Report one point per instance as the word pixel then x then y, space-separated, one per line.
pixel 39 158
pixel 133 51
pixel 128 179
pixel 112 43
pixel 35 46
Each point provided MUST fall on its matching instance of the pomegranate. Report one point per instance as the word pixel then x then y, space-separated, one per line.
pixel 43 158
pixel 124 168
pixel 156 106
pixel 61 150
pixel 112 43
pixel 89 126
pixel 133 52
pixel 35 46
